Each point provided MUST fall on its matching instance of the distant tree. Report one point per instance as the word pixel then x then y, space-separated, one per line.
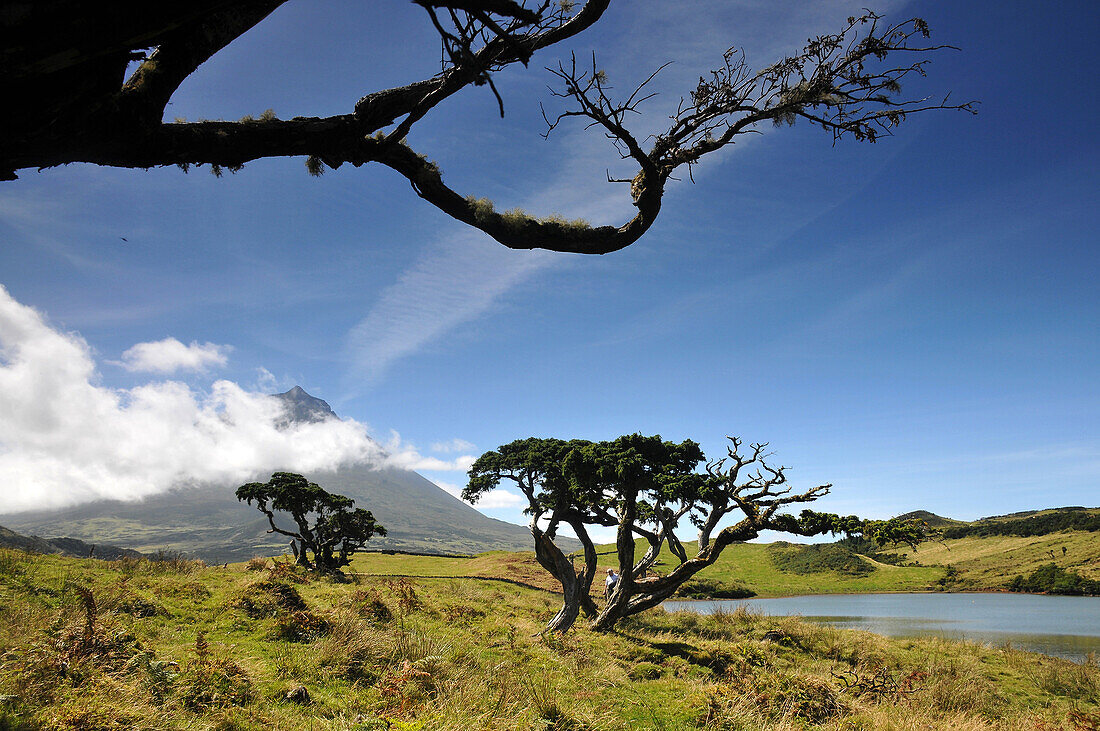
pixel 645 487
pixel 329 526
pixel 63 78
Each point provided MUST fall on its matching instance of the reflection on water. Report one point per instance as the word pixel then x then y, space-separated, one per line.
pixel 1062 626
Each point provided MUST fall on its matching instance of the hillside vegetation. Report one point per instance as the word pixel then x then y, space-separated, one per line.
pixel 993 561
pixel 133 644
pixel 1037 523
pixel 985 555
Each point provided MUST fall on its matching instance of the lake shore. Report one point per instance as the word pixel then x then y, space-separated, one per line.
pixel 1060 626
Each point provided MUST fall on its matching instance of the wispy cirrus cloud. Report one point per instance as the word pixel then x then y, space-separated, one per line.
pixel 454 282
pixel 455 445
pixel 464 275
pixel 461 276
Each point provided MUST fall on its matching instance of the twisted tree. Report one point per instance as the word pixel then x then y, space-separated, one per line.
pixel 329 526
pixel 63 65
pixel 645 487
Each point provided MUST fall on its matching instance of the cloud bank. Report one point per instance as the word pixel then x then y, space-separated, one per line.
pixel 170 355
pixel 65 440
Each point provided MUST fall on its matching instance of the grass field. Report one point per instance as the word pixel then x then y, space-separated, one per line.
pixel 135 645
pixel 990 562
pixel 745 564
pixel 750 565
pixel 979 564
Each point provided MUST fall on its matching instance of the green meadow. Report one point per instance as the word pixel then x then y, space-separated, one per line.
pixel 133 644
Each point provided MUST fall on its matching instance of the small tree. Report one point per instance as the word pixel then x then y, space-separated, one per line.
pixel 645 487
pixel 338 529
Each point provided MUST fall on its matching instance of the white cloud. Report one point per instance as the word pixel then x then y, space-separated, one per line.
pixel 170 355
pixel 407 457
pixel 455 445
pixel 498 498
pixel 598 533
pixel 65 440
pixel 266 380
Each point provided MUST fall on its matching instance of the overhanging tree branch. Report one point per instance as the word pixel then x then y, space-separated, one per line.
pixel 70 103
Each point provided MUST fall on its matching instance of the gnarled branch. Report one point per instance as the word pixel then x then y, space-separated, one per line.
pixel 71 104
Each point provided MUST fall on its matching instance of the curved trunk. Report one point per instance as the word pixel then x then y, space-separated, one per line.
pixel 625 587
pixel 588 573
pixel 551 558
pixel 647 593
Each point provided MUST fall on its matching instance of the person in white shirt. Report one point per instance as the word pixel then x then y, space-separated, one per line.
pixel 610 582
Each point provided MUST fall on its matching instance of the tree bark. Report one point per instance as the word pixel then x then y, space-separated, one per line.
pixel 551 558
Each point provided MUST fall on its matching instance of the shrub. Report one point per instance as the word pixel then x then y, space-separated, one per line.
pixel 645 671
pixel 713 589
pixel 270 598
pixel 210 682
pixel 407 598
pixel 817 558
pixel 369 604
pixel 775 695
pixel 137 606
pixel 301 626
pixel 1052 579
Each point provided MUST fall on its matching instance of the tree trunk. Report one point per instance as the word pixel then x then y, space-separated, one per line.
pixel 551 558
pixel 638 596
pixel 588 573
pixel 616 605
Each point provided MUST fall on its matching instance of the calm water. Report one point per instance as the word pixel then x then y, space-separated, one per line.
pixel 1064 626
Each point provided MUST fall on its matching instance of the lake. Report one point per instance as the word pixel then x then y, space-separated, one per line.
pixel 1063 626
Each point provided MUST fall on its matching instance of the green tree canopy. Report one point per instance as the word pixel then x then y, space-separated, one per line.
pixel 645 488
pixel 329 526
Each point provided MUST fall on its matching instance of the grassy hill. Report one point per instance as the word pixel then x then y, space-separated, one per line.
pixel 63 546
pixel 975 562
pixel 132 644
pixel 989 562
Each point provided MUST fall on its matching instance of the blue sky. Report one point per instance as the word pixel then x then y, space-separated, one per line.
pixel 914 321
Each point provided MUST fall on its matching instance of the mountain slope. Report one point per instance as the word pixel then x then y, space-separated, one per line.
pixel 63 546
pixel 210 523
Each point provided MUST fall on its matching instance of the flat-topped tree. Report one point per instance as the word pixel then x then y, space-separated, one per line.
pixel 68 100
pixel 645 487
pixel 329 526
pixel 537 467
